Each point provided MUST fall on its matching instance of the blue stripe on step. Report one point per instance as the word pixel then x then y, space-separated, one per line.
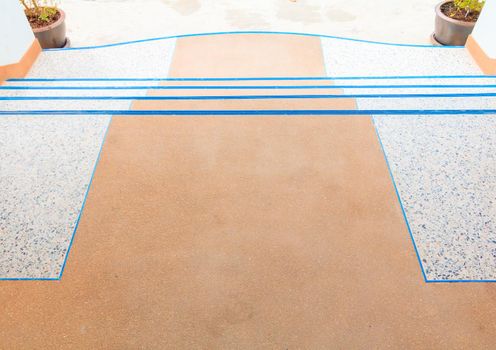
pixel 243 97
pixel 331 112
pixel 248 87
pixel 261 78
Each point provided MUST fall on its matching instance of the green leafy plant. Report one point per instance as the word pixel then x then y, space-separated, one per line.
pixel 469 6
pixel 40 11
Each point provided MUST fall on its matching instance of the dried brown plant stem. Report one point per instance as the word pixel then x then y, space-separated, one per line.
pixel 35 4
pixel 23 2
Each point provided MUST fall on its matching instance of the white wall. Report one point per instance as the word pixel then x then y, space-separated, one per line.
pixel 485 29
pixel 15 33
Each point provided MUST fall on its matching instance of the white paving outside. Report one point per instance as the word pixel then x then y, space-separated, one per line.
pixel 91 22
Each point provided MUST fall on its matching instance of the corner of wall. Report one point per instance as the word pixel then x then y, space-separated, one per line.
pixel 486 63
pixel 21 69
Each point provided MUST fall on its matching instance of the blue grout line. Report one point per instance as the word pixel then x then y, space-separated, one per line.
pixel 252 32
pixel 245 97
pixel 323 112
pixel 397 77
pixel 84 201
pixel 244 87
pixel 399 200
pixel 462 281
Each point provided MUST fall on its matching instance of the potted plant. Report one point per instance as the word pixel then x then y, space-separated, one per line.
pixel 455 20
pixel 47 22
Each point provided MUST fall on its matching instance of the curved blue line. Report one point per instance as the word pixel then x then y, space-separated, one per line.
pixel 250 32
pixel 240 97
pixel 323 112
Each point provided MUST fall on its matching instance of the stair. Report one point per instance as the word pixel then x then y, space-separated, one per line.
pixel 248 95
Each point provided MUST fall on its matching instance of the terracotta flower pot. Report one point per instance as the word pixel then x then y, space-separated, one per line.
pixel 53 35
pixel 449 31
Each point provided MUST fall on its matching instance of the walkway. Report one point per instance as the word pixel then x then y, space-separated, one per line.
pixel 401 22
pixel 249 231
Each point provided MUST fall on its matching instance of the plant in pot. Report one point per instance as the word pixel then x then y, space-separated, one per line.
pixel 455 20
pixel 47 22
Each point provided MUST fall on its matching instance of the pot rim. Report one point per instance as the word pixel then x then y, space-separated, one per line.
pixel 53 25
pixel 440 13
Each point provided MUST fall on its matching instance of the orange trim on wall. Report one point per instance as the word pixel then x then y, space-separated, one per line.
pixel 20 69
pixel 486 63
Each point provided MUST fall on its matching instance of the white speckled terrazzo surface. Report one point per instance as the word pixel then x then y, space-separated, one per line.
pixel 44 174
pixel 445 171
pixel 353 58
pixel 142 60
pixel 47 161
pixel 444 166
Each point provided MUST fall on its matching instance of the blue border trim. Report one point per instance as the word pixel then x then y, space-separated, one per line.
pixel 252 32
pixel 399 200
pixel 323 112
pixel 242 97
pixel 84 200
pixel 246 87
pixel 461 281
pixel 393 77
pixel 29 279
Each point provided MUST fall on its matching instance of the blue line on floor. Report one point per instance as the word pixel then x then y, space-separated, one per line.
pixel 243 97
pixel 399 77
pixel 247 87
pixel 323 112
pixel 399 200
pixel 462 281
pixel 84 201
pixel 253 32
pixel 29 279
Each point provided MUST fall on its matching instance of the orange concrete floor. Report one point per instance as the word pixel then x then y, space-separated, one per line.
pixel 244 232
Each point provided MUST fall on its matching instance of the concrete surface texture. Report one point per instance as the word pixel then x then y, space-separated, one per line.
pixel 253 232
pixel 106 21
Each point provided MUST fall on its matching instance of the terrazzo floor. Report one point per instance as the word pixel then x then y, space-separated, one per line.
pixel 48 161
pixel 151 60
pixel 248 231
pixel 444 170
pixel 46 167
pixel 442 165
